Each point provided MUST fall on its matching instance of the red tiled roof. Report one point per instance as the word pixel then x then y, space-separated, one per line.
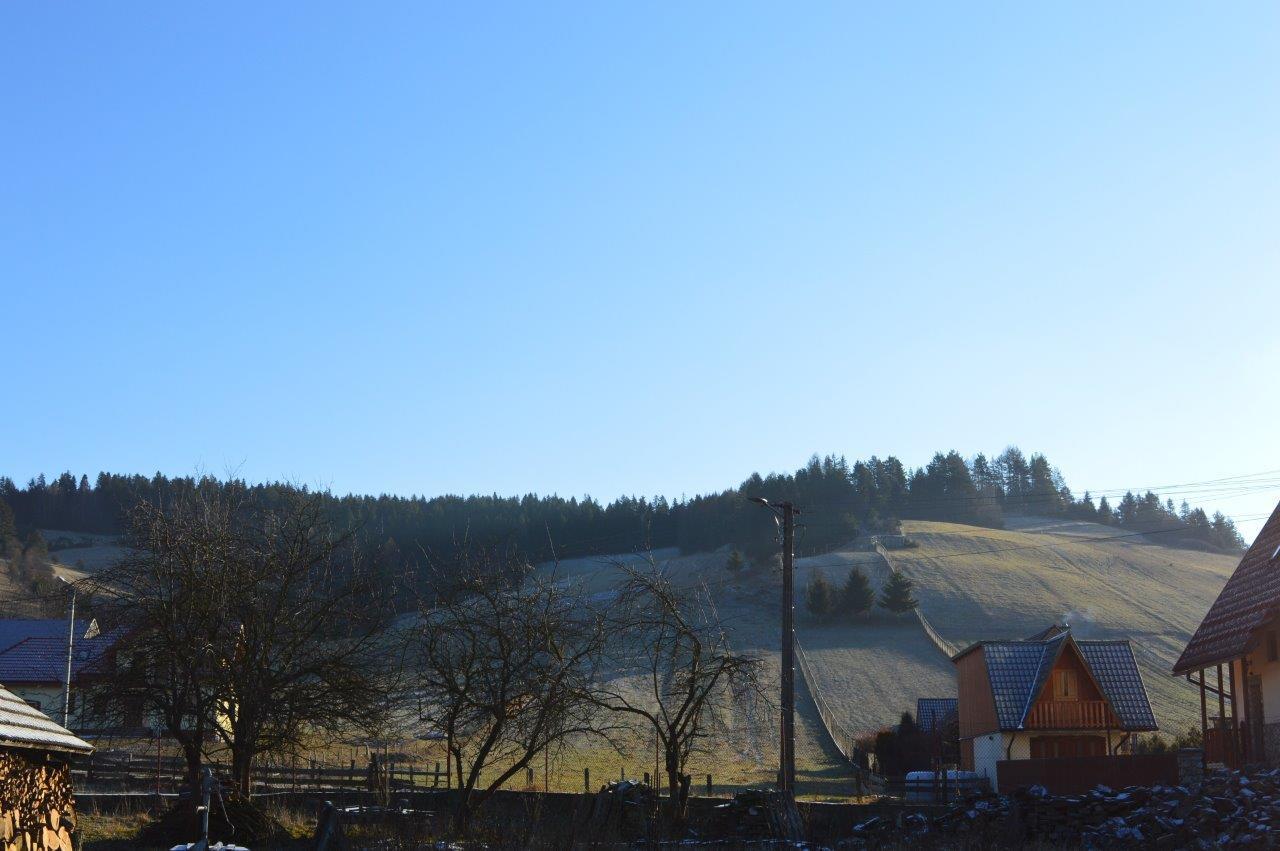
pixel 1249 600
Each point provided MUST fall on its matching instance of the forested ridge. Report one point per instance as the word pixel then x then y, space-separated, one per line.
pixel 839 499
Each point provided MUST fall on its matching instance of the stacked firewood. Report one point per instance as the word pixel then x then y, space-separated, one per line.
pixel 37 811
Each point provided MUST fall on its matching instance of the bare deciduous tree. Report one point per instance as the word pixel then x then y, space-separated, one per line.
pixel 669 639
pixel 507 672
pixel 259 624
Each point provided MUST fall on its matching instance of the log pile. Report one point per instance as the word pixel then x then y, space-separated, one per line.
pixel 1230 810
pixel 37 811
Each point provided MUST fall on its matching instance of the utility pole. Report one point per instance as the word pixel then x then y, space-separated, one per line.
pixel 784 515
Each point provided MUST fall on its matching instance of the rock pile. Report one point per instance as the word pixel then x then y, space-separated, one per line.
pixel 621 811
pixel 757 814
pixel 37 812
pixel 1231 809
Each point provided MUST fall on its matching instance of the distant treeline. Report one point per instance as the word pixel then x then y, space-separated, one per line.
pixel 839 500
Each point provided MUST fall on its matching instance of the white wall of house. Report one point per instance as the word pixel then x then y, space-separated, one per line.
pixel 44 696
pixel 991 748
pixel 988 749
pixel 1268 671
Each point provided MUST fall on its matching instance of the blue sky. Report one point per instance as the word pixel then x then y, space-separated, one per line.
pixel 644 248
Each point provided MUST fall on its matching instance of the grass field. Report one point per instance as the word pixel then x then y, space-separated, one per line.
pixel 981 583
pixel 973 584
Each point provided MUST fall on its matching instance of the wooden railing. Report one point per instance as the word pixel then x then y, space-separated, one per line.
pixel 1071 715
pixel 1227 744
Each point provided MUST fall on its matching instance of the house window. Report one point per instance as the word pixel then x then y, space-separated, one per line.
pixel 1272 653
pixel 1064 685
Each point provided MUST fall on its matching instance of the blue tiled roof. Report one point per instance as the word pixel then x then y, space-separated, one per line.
pixel 931 712
pixel 13 630
pixel 1018 671
pixel 40 658
pixel 1015 669
pixel 1116 671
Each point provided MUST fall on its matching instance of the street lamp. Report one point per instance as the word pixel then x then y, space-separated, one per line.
pixel 71 640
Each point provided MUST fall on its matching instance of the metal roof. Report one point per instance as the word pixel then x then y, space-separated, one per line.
pixel 1249 600
pixel 1018 671
pixel 24 726
pixel 932 712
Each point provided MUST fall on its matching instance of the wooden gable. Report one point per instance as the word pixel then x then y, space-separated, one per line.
pixel 977 706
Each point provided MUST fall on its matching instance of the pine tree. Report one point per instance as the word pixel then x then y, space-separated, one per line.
pixel 735 562
pixel 857 596
pixel 895 596
pixel 820 597
pixel 1105 514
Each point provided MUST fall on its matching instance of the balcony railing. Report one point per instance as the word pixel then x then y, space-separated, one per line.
pixel 1071 715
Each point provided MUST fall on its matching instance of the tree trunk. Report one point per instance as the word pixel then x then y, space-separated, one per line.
pixel 677 790
pixel 242 771
pixel 194 758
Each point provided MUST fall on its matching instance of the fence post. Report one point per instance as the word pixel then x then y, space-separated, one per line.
pixel 622 774
pixel 528 776
pixel 708 785
pixel 586 778
pixel 354 777
pixel 435 782
pixel 646 779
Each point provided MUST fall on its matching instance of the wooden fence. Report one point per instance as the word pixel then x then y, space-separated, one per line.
pixel 945 647
pixel 1075 775
pixel 867 782
pixel 130 772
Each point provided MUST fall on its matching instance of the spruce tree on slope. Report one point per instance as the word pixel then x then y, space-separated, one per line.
pixel 895 596
pixel 819 596
pixel 857 596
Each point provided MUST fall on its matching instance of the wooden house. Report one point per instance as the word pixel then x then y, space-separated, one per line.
pixel 37 811
pixel 1047 696
pixel 1234 661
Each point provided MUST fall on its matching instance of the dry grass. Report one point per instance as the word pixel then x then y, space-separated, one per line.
pixel 981 583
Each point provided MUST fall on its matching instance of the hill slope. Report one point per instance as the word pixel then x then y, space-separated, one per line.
pixel 982 583
pixel 973 583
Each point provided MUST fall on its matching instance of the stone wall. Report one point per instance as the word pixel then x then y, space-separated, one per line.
pixel 37 812
pixel 1271 744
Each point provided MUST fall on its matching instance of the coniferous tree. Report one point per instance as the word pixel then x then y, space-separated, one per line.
pixel 857 596
pixel 735 562
pixel 820 597
pixel 895 596
pixel 8 529
pixel 1105 514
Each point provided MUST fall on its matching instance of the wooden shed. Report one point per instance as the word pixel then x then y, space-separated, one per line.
pixel 37 811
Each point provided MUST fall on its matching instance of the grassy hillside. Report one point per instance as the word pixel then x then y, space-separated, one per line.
pixel 982 583
pixel 973 583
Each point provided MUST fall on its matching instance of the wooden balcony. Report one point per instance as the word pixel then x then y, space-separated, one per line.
pixel 1071 715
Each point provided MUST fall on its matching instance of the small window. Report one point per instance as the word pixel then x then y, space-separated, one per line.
pixel 1272 653
pixel 1064 685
